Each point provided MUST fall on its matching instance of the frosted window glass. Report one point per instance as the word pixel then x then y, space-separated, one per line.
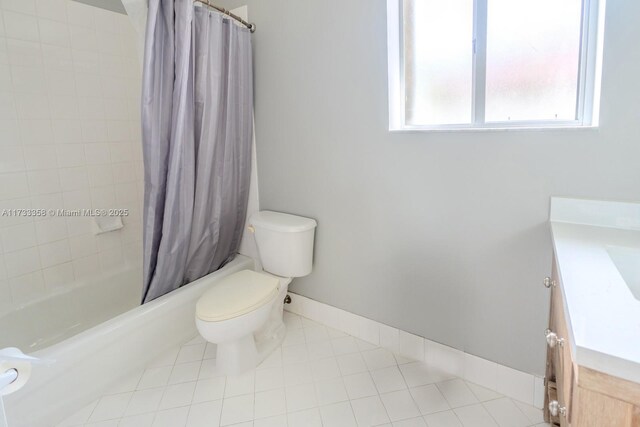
pixel 533 50
pixel 438 61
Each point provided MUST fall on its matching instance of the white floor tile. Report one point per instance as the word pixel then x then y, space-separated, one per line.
pixel 109 423
pixel 144 401
pixel 269 378
pixel 155 377
pixel 388 379
pixel 294 337
pixel 338 415
pixel 210 351
pixel 316 333
pixel 240 384
pixel 418 373
pixel 506 413
pixel 295 354
pixel 305 382
pixel 143 420
pixel 238 409
pixel 209 369
pixel 205 414
pixel 209 389
pixel 443 419
pixel 297 373
pixel 306 418
pixel 344 345
pixel 110 407
pixel 475 416
pixel 176 417
pixel 80 417
pixel 319 350
pixel 325 369
pixel 301 397
pixel 533 414
pixel 269 403
pixel 178 395
pixel 369 411
pixel 429 399
pixel 191 353
pixel 167 359
pixel 351 364
pixel 457 393
pixel 277 421
pixel 412 422
pixel 184 372
pixel 483 394
pixel 399 405
pixel 378 358
pixel 360 385
pixel 330 391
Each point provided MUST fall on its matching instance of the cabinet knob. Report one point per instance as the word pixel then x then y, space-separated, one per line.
pixel 553 339
pixel 555 409
pixel 549 282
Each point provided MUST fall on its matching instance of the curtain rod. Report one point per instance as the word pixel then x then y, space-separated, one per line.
pixel 251 27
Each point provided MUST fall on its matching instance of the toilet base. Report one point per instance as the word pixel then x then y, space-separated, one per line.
pixel 236 357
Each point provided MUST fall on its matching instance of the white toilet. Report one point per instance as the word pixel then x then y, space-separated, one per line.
pixel 242 313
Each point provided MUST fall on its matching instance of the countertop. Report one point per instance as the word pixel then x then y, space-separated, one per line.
pixel 603 315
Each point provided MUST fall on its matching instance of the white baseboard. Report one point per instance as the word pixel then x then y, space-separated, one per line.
pixel 518 385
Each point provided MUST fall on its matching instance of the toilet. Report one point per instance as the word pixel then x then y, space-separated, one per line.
pixel 242 313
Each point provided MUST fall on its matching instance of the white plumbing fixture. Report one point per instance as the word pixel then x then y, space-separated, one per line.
pixel 242 314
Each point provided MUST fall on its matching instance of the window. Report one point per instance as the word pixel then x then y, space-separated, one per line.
pixel 459 64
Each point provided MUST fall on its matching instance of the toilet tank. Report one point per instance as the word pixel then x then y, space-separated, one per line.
pixel 285 242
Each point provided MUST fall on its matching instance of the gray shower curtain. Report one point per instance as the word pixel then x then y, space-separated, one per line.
pixel 197 124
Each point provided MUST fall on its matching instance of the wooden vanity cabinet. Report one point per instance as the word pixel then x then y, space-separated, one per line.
pixel 585 397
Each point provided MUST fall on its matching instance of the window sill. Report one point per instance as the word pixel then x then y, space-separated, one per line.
pixel 494 129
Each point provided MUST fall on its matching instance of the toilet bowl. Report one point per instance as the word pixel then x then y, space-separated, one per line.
pixel 242 314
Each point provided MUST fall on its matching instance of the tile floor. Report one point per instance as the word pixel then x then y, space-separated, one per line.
pixel 318 377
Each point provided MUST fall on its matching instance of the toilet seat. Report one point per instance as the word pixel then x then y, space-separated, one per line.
pixel 235 295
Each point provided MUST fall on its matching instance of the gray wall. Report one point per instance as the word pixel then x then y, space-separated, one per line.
pixel 442 234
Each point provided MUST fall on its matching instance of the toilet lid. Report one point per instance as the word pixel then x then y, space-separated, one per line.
pixel 235 295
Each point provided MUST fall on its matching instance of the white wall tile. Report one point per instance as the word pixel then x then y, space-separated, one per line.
pixel 52 9
pixel 369 331
pixel 74 179
pixel 444 358
pixel 515 384
pixel 40 157
pixel 27 287
pixel 389 338
pixel 411 346
pixel 22 6
pixel 55 33
pixel 480 371
pixel 35 132
pixel 21 262
pixel 44 181
pixel 18 237
pixel 51 229
pixel 538 392
pixel 70 155
pixel 13 185
pixel 55 253
pixel 21 26
pixel 58 275
pixel 11 159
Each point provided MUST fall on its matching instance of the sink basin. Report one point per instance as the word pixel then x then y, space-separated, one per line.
pixel 627 261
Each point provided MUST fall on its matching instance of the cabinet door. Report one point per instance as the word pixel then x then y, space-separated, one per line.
pixel 562 359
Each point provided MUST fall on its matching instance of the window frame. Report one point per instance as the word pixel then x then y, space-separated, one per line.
pixel 589 73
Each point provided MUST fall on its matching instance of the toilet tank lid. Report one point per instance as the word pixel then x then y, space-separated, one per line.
pixel 278 221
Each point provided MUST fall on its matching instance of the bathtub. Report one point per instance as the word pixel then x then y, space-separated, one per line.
pixel 111 338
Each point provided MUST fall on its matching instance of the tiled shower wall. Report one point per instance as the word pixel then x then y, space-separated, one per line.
pixel 69 139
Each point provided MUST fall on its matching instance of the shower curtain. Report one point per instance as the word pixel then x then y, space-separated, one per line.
pixel 197 114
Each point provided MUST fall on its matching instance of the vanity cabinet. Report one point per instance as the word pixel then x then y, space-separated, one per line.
pixel 575 395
